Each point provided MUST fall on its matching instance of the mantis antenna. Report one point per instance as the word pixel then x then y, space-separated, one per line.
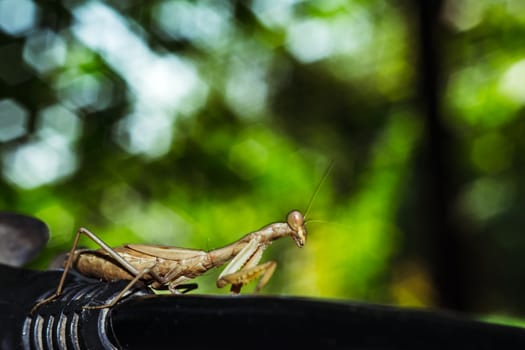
pixel 325 175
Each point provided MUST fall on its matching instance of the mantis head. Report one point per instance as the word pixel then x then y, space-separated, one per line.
pixel 295 221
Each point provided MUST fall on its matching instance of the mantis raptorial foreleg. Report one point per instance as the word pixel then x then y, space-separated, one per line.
pixel 238 279
pixel 244 269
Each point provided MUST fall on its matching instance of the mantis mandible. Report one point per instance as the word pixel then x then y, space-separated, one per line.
pixel 167 267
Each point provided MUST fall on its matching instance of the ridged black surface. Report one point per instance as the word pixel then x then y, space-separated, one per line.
pixel 62 323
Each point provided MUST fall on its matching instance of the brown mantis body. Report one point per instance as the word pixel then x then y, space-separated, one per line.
pixel 166 267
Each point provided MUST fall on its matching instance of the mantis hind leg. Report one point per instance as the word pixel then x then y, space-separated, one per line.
pixel 242 277
pixel 67 266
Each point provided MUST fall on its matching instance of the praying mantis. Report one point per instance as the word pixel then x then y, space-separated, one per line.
pixel 167 267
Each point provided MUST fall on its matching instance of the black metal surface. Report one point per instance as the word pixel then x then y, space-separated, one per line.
pixel 201 322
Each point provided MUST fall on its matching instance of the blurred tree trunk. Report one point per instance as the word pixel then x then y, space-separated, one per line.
pixel 445 243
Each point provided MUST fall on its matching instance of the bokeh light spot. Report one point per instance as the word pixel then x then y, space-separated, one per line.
pixel 207 24
pixel 13 120
pixel 39 162
pixel 17 16
pixel 145 133
pixel 247 87
pixel 274 14
pixel 310 40
pixel 463 15
pixel 486 198
pixel 58 120
pixel 45 51
pixel 511 83
pixel 474 93
pixel 91 91
pixel 314 39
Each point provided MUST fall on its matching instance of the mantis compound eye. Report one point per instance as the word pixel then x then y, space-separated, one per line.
pixel 296 222
pixel 295 219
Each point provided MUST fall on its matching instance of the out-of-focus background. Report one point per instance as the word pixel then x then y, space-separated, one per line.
pixel 191 123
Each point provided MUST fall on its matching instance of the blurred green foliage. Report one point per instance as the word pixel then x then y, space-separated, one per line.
pixel 191 123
